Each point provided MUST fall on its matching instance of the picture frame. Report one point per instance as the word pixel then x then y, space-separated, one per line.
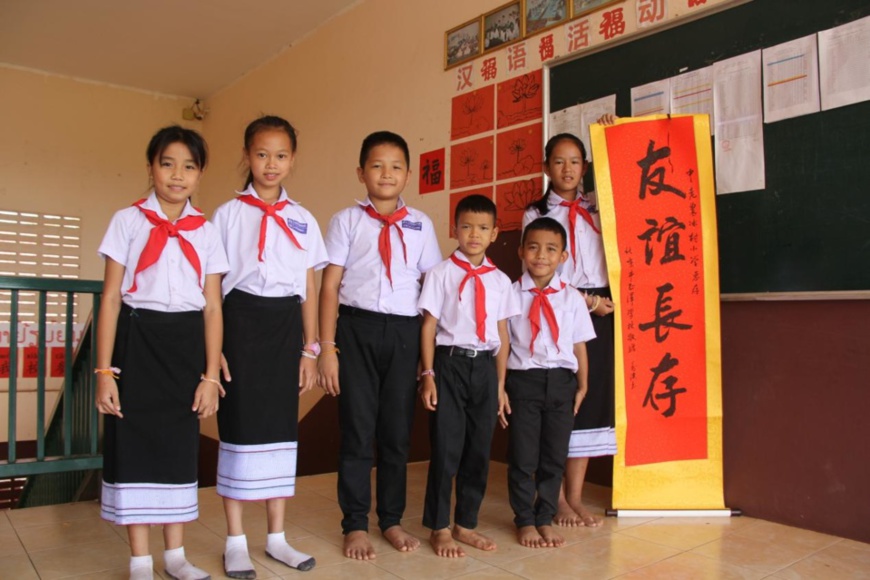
pixel 463 43
pixel 503 26
pixel 581 7
pixel 540 15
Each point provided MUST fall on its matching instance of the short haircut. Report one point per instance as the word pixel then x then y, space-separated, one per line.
pixel 546 224
pixel 475 204
pixel 178 134
pixel 383 138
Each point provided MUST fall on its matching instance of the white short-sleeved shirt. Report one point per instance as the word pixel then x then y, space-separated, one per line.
pixel 170 284
pixel 572 316
pixel 589 269
pixel 283 270
pixel 457 323
pixel 352 243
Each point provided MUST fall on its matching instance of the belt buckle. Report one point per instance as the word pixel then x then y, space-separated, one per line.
pixel 471 353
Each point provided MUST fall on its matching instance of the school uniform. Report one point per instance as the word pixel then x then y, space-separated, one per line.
pixel 378 333
pixel 466 380
pixel 541 385
pixel 269 252
pixel 594 433
pixel 150 456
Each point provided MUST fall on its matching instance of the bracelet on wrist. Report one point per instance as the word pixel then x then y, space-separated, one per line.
pixel 330 351
pixel 307 354
pixel 428 373
pixel 111 371
pixel 326 342
pixel 208 380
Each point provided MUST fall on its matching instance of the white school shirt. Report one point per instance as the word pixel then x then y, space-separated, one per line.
pixel 572 316
pixel 589 270
pixel 283 271
pixel 170 284
pixel 457 323
pixel 352 243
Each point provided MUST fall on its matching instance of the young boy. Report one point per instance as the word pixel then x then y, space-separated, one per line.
pixel 466 302
pixel 378 251
pixel 546 381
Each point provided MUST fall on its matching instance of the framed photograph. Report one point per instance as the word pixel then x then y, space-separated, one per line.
pixel 581 7
pixel 543 14
pixel 462 43
pixel 503 26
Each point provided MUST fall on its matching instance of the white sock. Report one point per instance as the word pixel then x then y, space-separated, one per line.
pixel 141 568
pixel 237 562
pixel 179 568
pixel 278 548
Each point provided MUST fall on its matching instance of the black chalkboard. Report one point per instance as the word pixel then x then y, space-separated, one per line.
pixel 809 229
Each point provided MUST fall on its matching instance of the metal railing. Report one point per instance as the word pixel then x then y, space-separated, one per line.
pixel 70 442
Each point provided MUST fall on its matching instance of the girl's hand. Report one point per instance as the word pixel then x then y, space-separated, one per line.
pixel 225 371
pixel 578 399
pixel 307 374
pixel 327 368
pixel 205 400
pixel 504 408
pixel 108 402
pixel 605 307
pixel 607 119
pixel 428 392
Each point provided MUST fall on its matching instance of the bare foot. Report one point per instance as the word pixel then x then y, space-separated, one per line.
pixel 358 546
pixel 529 537
pixel 550 537
pixel 589 520
pixel 565 516
pixel 443 544
pixel 473 539
pixel 400 539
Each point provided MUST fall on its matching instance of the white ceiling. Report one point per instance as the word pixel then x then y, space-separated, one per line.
pixel 189 48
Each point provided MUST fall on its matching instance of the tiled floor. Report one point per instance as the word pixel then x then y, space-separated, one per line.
pixel 71 541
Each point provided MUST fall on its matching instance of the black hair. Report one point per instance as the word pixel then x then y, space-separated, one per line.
pixel 266 123
pixel 546 224
pixel 541 205
pixel 178 134
pixel 474 204
pixel 383 138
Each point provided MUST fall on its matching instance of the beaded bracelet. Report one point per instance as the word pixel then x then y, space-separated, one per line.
pixel 111 371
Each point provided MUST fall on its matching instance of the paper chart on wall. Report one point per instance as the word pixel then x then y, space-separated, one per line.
pixel 590 112
pixel 692 94
pixel 651 99
pixel 844 64
pixel 565 121
pixel 791 79
pixel 737 107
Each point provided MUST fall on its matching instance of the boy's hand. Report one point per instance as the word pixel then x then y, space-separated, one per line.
pixel 225 371
pixel 504 409
pixel 205 400
pixel 307 374
pixel 108 402
pixel 578 399
pixel 605 307
pixel 428 392
pixel 327 367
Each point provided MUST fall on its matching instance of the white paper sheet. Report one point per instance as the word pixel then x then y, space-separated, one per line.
pixel 590 113
pixel 565 121
pixel 651 99
pixel 844 64
pixel 692 94
pixel 791 79
pixel 737 108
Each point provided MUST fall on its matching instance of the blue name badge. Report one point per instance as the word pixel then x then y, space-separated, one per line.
pixel 412 225
pixel 300 227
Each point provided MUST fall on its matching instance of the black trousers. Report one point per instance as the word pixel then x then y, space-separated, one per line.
pixel 460 433
pixel 542 416
pixel 378 378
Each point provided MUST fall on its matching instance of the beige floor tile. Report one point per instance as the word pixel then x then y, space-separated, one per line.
pixel 560 564
pixel 691 567
pixel 786 536
pixel 63 534
pixel 349 570
pixel 423 564
pixel 18 567
pixel 856 545
pixel 683 533
pixel 81 559
pixel 308 503
pixel 837 561
pixel 491 574
pixel 755 554
pixel 10 544
pixel 52 514
pixel 622 553
pixel 5 524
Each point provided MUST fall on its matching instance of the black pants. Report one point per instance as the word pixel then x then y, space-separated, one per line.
pixel 460 433
pixel 378 378
pixel 542 415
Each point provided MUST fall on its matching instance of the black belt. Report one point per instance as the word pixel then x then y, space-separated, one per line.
pixel 345 310
pixel 466 352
